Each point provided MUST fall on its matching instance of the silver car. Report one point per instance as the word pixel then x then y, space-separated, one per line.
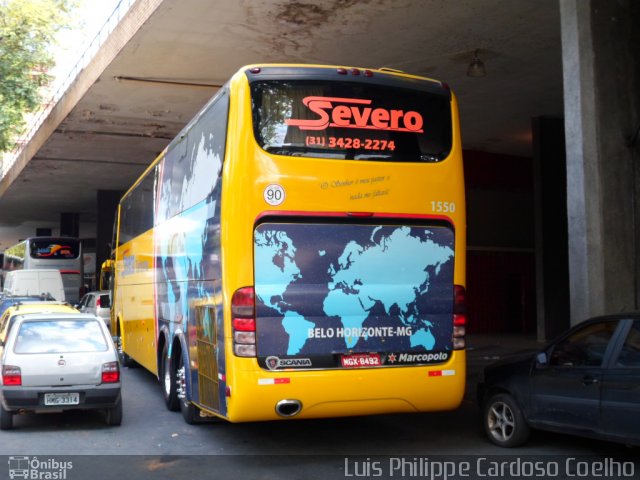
pixel 98 303
pixel 58 361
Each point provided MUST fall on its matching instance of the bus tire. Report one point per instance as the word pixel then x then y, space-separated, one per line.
pixel 6 419
pixel 168 381
pixel 189 411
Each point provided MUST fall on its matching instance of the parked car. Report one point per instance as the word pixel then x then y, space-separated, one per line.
pixel 586 383
pixel 57 361
pixel 97 303
pixel 7 301
pixel 31 306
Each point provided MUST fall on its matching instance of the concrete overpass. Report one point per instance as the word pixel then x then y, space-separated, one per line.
pixel 165 58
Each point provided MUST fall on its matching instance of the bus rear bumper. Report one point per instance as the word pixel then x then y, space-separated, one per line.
pixel 281 395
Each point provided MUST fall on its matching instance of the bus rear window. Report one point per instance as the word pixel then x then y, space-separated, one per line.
pixel 55 248
pixel 351 121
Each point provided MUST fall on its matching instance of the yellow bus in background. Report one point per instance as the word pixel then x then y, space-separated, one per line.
pixel 298 250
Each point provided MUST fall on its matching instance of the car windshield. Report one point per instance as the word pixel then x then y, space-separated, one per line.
pixel 60 336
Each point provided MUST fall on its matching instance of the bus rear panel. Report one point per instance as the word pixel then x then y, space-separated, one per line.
pixel 298 250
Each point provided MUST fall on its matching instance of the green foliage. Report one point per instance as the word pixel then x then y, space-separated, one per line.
pixel 27 32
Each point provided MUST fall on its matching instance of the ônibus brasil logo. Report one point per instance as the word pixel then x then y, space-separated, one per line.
pixel 349 114
pixel 35 469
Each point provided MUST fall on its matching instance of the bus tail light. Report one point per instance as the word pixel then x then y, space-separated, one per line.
pixel 11 375
pixel 243 322
pixel 110 372
pixel 459 317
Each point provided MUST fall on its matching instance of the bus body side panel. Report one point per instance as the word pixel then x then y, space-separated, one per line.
pixel 188 297
pixel 312 187
pixel 134 305
pixel 188 252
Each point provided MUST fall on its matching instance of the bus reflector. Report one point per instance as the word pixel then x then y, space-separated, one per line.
pixel 459 317
pixel 442 373
pixel 243 322
pixel 360 214
pixel 273 381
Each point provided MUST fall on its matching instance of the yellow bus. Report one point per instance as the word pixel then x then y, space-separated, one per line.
pixel 298 250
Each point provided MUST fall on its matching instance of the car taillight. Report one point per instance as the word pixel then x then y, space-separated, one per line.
pixel 11 375
pixel 98 302
pixel 243 322
pixel 459 317
pixel 110 372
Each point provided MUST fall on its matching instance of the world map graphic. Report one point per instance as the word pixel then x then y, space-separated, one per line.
pixel 332 288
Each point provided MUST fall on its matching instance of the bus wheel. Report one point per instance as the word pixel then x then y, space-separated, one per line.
pixel 168 381
pixel 190 412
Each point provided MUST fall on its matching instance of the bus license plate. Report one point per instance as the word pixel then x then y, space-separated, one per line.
pixel 361 360
pixel 61 398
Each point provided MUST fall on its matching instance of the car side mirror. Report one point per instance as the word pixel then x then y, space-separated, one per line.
pixel 542 360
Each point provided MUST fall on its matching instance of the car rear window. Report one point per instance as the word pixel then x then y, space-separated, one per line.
pixel 60 336
pixel 105 302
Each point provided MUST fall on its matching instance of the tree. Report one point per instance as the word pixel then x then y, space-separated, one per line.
pixel 27 32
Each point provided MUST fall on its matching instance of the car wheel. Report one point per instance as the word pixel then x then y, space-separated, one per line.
pixel 504 422
pixel 6 419
pixel 168 381
pixel 114 414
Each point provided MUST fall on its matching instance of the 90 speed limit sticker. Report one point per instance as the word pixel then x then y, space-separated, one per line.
pixel 274 194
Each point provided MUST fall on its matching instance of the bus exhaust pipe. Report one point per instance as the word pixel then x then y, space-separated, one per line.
pixel 288 408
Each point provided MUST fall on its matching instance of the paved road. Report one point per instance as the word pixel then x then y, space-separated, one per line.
pixel 303 449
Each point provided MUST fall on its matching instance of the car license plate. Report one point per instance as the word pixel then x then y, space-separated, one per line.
pixel 361 360
pixel 61 398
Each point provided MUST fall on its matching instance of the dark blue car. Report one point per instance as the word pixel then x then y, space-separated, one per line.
pixel 586 382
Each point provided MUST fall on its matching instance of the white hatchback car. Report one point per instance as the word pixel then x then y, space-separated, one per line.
pixel 56 361
pixel 98 303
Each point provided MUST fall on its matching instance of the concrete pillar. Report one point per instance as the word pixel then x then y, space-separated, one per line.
pixel 70 224
pixel 601 85
pixel 552 257
pixel 107 207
